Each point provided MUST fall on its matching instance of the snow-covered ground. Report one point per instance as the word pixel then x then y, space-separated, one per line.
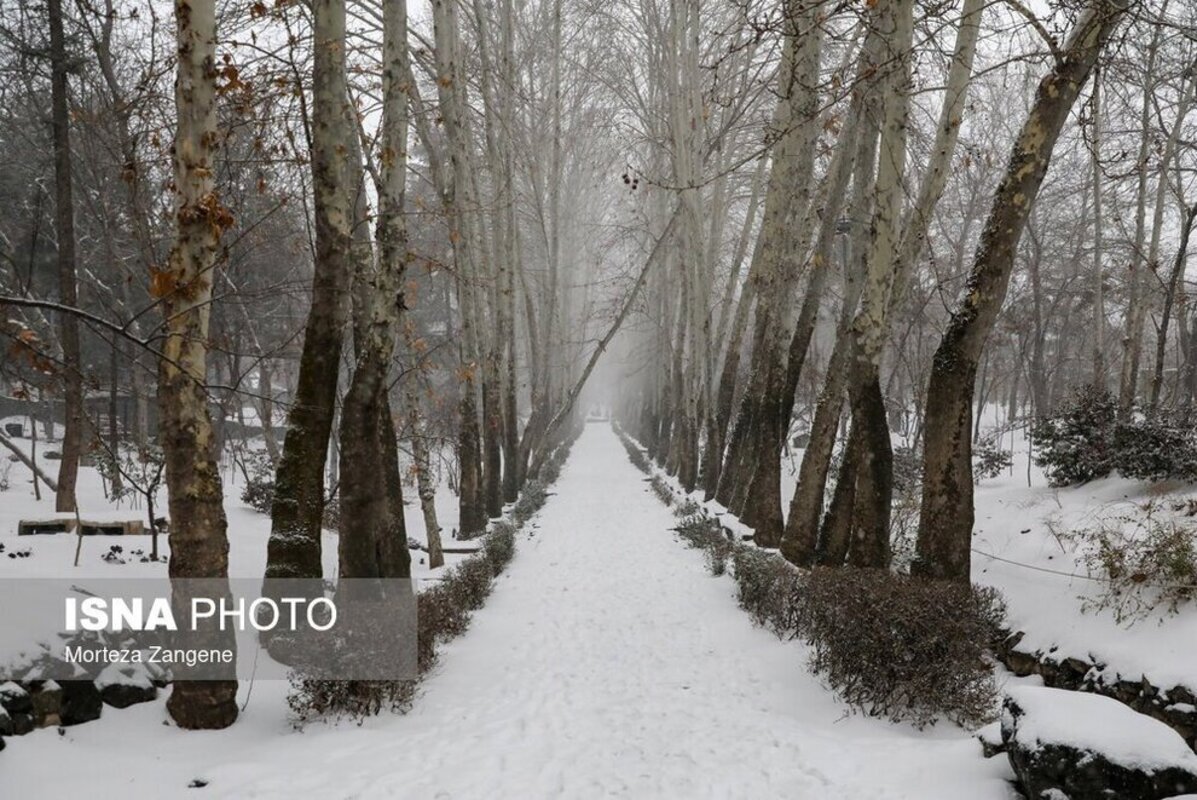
pixel 1018 548
pixel 607 663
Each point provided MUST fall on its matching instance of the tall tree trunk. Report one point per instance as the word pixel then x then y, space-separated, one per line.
pixel 1132 342
pixel 1099 304
pixel 266 407
pixel 946 517
pixel 1036 368
pixel 64 223
pixel 496 279
pixel 298 510
pixel 719 417
pixel 373 539
pixel 1174 278
pixel 509 261
pixel 114 439
pixel 1188 91
pixel 451 86
pixel 750 483
pixel 199 546
pixel 801 535
pixel 891 262
pixel 870 541
pixel 425 483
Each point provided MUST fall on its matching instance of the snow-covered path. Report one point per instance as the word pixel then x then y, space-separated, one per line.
pixel 607 663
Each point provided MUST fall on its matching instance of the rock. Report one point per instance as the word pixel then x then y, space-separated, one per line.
pixel 123 695
pixel 80 702
pixel 1022 664
pixel 1049 669
pixel 22 724
pixel 124 685
pixel 1127 691
pixel 47 705
pixel 14 699
pixel 990 738
pixel 1181 715
pixel 1077 671
pixel 1082 746
pixel 6 724
pixel 2 743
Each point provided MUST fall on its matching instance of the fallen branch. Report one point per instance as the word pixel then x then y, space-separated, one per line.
pixel 27 461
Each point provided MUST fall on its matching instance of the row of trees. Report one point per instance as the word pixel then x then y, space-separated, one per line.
pixel 789 217
pixel 389 230
pixel 856 276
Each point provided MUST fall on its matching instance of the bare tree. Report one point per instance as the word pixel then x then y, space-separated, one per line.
pixel 298 510
pixel 64 223
pixel 199 546
pixel 946 518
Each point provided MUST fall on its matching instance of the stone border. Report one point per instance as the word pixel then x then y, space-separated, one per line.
pixel 1175 706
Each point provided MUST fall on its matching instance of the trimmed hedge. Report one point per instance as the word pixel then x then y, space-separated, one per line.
pixel 889 645
pixel 443 613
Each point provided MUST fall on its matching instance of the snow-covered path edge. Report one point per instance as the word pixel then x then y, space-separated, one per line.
pixel 606 663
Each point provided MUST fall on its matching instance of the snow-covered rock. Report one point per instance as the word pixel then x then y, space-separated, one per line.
pixel 1080 746
pixel 80 702
pixel 990 738
pixel 14 699
pixel 124 685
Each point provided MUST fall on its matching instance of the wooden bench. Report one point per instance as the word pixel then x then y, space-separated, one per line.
pixel 38 527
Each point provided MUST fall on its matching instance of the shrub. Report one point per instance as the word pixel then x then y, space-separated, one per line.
pixel 531 499
pixel 550 470
pixel 439 619
pixel 908 469
pixel 902 648
pixel 903 529
pixel 1084 440
pixel 1075 444
pixel 1155 449
pixel 989 460
pixel 471 582
pixel 313 698
pixel 258 494
pixel 887 644
pixel 662 489
pixel 768 588
pixel 499 547
pixel 635 454
pixel 1147 560
pixel 443 613
pixel 701 532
